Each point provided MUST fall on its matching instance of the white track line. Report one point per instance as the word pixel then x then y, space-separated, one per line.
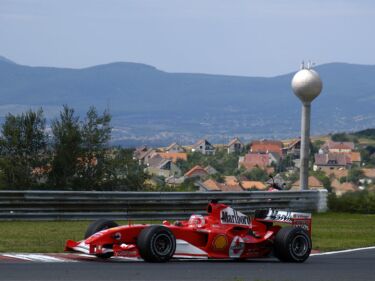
pixel 37 258
pixel 343 251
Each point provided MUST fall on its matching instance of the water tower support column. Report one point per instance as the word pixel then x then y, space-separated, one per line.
pixel 305 145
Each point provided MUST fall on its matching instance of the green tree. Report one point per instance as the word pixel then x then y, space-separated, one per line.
pixel 122 172
pixel 256 174
pixel 95 133
pixel 67 141
pixel 340 137
pixel 22 148
pixel 320 175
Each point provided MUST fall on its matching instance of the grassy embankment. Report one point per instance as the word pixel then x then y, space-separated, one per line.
pixel 331 231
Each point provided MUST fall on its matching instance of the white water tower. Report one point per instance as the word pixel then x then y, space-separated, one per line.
pixel 306 85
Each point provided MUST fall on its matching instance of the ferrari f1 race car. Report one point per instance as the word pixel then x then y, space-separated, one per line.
pixel 223 234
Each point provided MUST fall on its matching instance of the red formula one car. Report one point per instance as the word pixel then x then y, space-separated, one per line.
pixel 223 234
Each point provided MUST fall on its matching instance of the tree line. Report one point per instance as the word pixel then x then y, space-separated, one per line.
pixel 70 154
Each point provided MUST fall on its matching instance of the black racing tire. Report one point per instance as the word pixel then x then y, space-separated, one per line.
pixel 156 243
pixel 292 244
pixel 97 226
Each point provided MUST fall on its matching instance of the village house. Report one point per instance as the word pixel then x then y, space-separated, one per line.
pixel 209 185
pixel 159 166
pixel 293 148
pixel 211 170
pixel 332 161
pixel 335 173
pixel 197 172
pixel 368 176
pixel 203 146
pixel 252 160
pixel 355 158
pixel 267 146
pixel 341 188
pixel 41 173
pixel 229 185
pixel 175 180
pixel 235 146
pixel 174 148
pixel 143 154
pixel 253 185
pixel 174 156
pixel 337 147
pixel 313 183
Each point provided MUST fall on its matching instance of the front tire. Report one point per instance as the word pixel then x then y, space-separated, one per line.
pixel 292 244
pixel 156 243
pixel 97 226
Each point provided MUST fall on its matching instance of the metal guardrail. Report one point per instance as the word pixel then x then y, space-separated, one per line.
pixel 88 205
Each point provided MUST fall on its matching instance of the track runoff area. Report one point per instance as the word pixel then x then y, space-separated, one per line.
pixel 76 257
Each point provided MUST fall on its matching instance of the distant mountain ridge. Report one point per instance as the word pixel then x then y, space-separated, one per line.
pixel 156 107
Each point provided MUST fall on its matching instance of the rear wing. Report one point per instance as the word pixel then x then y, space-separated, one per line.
pixel 296 219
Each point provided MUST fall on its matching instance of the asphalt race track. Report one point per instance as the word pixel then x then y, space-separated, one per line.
pixel 353 266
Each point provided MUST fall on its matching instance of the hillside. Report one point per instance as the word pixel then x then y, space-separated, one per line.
pixel 156 107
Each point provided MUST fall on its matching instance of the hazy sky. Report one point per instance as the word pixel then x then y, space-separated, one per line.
pixel 239 37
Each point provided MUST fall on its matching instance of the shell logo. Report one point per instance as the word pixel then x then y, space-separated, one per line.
pixel 236 247
pixel 220 242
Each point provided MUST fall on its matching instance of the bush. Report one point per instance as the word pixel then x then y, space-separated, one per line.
pixel 353 202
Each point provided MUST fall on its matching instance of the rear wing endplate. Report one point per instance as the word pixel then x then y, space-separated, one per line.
pixel 296 219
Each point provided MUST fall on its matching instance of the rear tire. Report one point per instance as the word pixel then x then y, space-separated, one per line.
pixel 156 243
pixel 292 244
pixel 97 226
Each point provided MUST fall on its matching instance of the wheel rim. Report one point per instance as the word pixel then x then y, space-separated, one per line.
pixel 300 245
pixel 162 244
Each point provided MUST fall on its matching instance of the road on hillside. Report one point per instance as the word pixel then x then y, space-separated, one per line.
pixel 352 266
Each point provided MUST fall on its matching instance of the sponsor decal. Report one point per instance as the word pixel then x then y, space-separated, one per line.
pixel 285 216
pixel 301 223
pixel 220 242
pixel 236 247
pixel 231 216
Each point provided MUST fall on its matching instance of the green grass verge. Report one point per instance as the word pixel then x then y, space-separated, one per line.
pixel 336 231
pixel 331 231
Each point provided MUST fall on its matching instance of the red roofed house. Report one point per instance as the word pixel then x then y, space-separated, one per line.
pixel 197 171
pixel 341 188
pixel 250 185
pixel 174 156
pixel 211 185
pixel 267 146
pixel 313 183
pixel 355 157
pixel 338 147
pixel 332 161
pixel 252 160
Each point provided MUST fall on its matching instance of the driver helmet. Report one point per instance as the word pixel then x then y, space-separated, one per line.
pixel 196 221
